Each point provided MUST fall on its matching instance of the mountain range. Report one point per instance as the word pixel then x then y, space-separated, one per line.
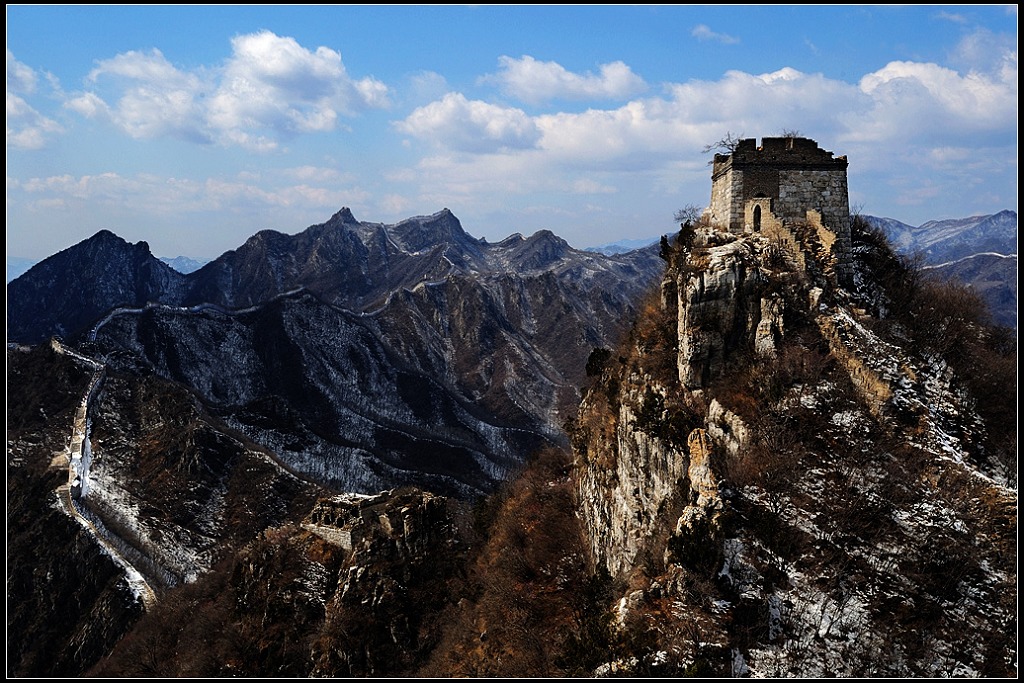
pixel 980 251
pixel 406 353
pixel 398 450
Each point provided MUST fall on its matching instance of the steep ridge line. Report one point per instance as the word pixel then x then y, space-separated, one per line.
pixel 198 308
pixel 79 456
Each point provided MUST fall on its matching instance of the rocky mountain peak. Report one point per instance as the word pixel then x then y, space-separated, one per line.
pixel 747 422
pixel 105 235
pixel 425 232
pixel 66 291
pixel 343 216
pixel 107 244
pixel 540 250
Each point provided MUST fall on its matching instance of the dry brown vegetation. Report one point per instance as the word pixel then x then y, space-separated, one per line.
pixel 525 584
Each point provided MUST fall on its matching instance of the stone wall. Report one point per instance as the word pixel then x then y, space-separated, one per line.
pixel 791 176
pixel 823 190
pixel 726 197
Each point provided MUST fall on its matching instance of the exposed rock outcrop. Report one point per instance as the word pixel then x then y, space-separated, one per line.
pixel 718 310
pixel 758 495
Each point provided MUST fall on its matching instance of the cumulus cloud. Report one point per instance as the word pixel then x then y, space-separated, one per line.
pixel 272 82
pixel 466 125
pixel 703 32
pixel 88 105
pixel 535 82
pixel 27 128
pixel 271 87
pixel 899 103
pixel 893 116
pixel 154 97
pixel 662 129
pixel 919 100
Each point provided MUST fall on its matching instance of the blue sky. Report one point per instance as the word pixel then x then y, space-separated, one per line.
pixel 193 127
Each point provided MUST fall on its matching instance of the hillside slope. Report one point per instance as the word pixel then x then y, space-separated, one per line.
pixel 790 479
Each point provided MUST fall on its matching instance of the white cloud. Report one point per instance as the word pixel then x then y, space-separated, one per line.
pixel 894 116
pixel 659 130
pixel 904 101
pixel 20 77
pixel 471 125
pixel 26 127
pixel 589 186
pixel 703 32
pixel 317 174
pixel 271 87
pixel 272 82
pixel 536 82
pixel 150 68
pixel 88 105
pixel 951 16
pixel 154 97
pixel 196 216
pixel 987 52
pixel 913 100
pixel 182 195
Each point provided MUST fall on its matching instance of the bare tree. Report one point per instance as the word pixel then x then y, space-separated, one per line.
pixel 791 133
pixel 688 214
pixel 727 144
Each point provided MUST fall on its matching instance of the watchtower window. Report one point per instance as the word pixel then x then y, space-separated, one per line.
pixel 757 219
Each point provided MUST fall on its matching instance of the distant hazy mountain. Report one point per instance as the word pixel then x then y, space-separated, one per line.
pixel 994 276
pixel 17 265
pixel 623 246
pixel 980 251
pixel 184 264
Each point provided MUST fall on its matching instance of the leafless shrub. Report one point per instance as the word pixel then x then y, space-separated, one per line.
pixel 727 144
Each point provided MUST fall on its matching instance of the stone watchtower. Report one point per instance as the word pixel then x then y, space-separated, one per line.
pixel 783 185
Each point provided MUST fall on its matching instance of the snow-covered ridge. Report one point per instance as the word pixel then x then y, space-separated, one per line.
pixel 983 254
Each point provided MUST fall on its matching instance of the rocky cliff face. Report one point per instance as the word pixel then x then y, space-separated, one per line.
pixel 775 474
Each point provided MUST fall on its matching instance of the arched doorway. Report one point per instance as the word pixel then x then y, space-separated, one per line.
pixel 757 219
